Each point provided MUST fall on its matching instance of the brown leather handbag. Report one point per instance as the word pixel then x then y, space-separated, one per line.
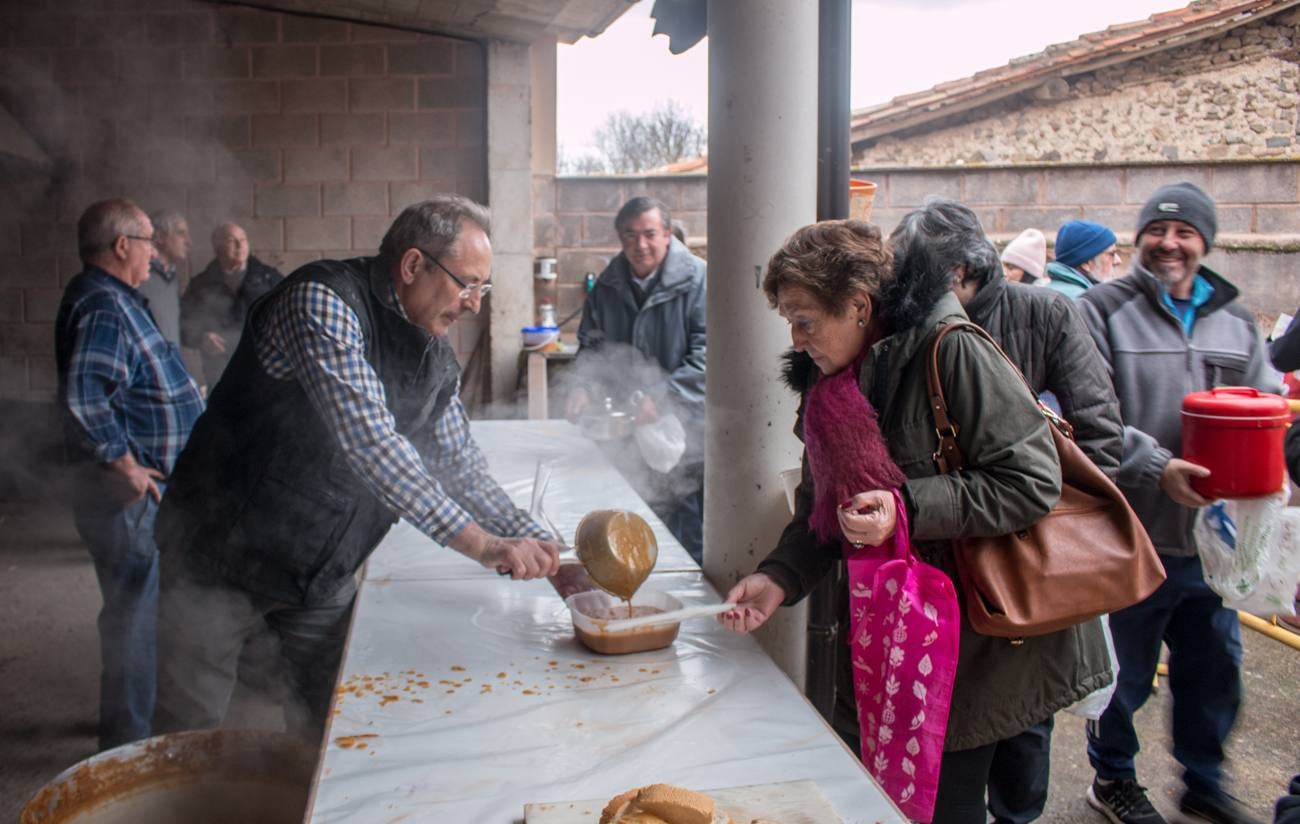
pixel 1089 556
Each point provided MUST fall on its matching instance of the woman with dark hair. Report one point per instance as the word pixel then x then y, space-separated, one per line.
pixel 1045 337
pixel 853 313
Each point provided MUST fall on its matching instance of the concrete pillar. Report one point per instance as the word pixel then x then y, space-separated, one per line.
pixel 544 88
pixel 762 186
pixel 510 178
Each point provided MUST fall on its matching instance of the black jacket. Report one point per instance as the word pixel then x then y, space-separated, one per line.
pixel 208 306
pixel 263 493
pixel 1044 335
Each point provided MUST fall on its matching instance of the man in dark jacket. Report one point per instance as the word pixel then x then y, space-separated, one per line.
pixel 1169 327
pixel 339 413
pixel 643 346
pixel 1043 335
pixel 218 299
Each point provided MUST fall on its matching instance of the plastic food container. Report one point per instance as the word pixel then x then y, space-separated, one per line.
pixel 1236 432
pixel 538 337
pixel 591 609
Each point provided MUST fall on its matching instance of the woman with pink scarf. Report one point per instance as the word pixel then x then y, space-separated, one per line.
pixel 861 329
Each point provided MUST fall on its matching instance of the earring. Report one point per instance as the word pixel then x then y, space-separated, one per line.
pixel 861 323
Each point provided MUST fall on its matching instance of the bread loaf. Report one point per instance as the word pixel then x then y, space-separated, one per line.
pixel 661 804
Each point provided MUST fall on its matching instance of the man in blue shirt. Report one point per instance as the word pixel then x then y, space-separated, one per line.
pixel 127 405
pixel 1169 327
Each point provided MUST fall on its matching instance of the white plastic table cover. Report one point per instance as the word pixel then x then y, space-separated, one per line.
pixel 463 700
pixel 464 696
pixel 581 481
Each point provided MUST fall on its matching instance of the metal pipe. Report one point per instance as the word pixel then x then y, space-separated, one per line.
pixel 834 38
pixel 825 605
pixel 1270 629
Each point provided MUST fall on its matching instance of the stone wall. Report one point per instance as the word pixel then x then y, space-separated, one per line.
pixel 311 133
pixel 573 220
pixel 1230 96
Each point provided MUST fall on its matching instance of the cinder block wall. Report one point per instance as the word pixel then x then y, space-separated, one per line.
pixel 311 133
pixel 573 221
pixel 1259 212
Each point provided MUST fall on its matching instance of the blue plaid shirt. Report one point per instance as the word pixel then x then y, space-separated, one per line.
pixel 311 335
pixel 124 386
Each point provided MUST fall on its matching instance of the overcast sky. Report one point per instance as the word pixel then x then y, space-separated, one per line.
pixel 900 46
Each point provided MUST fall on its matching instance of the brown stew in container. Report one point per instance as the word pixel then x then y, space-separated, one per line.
pixel 641 639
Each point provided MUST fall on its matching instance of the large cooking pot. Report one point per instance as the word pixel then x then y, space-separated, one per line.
pixel 1236 432
pixel 198 777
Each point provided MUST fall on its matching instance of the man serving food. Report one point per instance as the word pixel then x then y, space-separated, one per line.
pixel 339 412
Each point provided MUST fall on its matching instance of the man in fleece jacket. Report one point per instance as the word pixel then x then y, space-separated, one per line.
pixel 1169 327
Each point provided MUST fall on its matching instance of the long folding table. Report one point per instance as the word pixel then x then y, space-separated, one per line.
pixel 464 697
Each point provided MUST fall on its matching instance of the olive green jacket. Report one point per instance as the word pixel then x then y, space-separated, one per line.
pixel 1011 481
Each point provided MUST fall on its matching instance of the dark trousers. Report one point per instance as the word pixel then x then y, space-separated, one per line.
pixel 209 628
pixel 120 540
pixel 1019 773
pixel 1013 772
pixel 1288 806
pixel 1007 778
pixel 1204 642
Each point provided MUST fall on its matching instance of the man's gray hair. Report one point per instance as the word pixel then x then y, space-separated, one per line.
pixel 219 233
pixel 639 205
pixel 165 221
pixel 104 222
pixel 433 225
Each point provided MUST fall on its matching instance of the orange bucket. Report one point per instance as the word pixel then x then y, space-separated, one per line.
pixel 861 193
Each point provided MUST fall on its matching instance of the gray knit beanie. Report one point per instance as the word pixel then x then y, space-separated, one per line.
pixel 1182 201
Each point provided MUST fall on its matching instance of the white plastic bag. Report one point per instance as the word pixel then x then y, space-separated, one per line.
pixel 1092 705
pixel 662 443
pixel 1250 552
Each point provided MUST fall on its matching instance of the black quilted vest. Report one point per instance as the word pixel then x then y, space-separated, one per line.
pixel 262 493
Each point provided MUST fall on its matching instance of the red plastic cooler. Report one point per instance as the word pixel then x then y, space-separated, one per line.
pixel 1236 432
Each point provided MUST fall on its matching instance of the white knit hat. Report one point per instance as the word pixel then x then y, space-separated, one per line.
pixel 1028 251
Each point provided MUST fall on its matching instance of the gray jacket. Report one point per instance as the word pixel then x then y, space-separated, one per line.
pixel 663 341
pixel 1153 363
pixel 1043 334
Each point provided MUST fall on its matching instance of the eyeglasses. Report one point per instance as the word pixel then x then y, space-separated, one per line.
pixel 139 237
pixel 465 289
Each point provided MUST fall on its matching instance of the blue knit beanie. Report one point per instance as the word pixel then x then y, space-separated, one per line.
pixel 1079 241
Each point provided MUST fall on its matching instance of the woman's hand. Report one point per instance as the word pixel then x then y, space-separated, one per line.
pixel 869 518
pixel 756 597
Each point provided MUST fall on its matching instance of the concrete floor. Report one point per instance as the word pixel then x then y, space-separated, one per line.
pixel 49 665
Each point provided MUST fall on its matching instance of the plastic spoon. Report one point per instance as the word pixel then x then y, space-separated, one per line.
pixel 670 617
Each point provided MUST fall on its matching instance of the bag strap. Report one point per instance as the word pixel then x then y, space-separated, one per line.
pixel 948 456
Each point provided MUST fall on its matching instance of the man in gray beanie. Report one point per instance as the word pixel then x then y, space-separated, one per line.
pixel 1170 326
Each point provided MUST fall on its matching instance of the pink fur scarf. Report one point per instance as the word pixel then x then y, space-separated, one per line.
pixel 846 451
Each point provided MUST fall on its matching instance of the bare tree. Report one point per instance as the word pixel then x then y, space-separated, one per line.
pixel 587 164
pixel 629 143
